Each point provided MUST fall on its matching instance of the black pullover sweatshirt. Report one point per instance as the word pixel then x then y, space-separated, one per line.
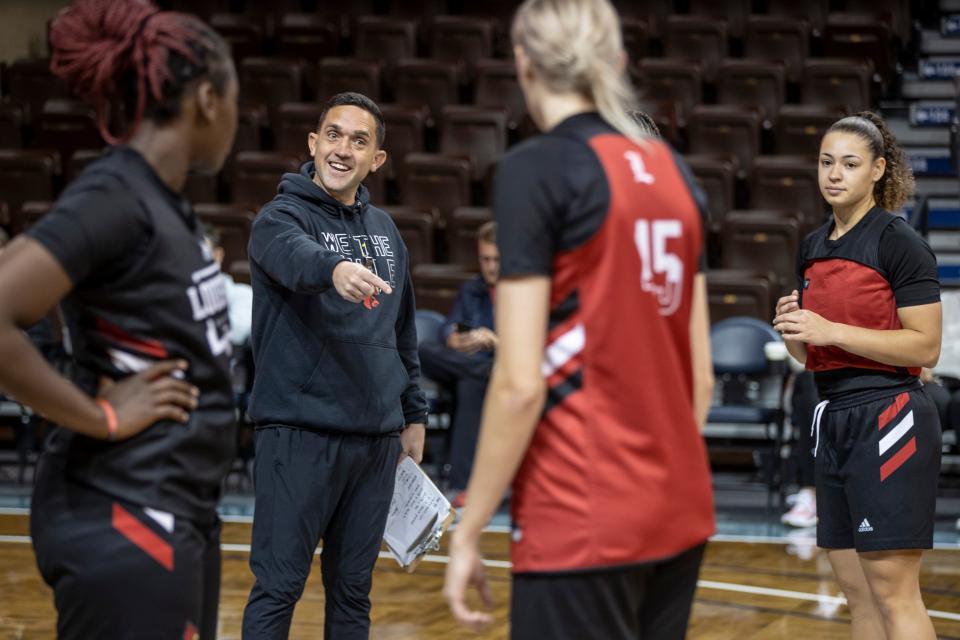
pixel 321 362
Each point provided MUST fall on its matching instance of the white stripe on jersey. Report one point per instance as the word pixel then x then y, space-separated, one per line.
pixel 559 352
pixel 127 362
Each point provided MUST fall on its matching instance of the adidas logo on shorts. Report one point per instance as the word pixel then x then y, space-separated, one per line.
pixel 865 526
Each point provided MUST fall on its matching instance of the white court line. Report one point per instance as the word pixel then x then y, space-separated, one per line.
pixel 720 537
pixel 725 537
pixel 703 584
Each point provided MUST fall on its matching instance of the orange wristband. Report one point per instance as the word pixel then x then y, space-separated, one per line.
pixel 111 416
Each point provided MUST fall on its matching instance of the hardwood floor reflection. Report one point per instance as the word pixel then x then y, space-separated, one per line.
pixel 748 592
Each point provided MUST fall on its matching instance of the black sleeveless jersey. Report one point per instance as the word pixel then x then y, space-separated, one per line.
pixel 145 289
pixel 861 279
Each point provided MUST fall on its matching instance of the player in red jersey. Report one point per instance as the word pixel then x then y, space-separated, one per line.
pixel 123 515
pixel 602 375
pixel 865 318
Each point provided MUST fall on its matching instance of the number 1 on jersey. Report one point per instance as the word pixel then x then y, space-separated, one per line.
pixel 661 272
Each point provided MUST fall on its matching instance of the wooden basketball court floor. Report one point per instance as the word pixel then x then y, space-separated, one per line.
pixel 750 589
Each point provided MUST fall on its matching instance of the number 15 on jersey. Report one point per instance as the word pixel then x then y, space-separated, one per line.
pixel 661 272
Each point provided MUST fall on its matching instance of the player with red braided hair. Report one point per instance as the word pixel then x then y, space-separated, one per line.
pixel 123 515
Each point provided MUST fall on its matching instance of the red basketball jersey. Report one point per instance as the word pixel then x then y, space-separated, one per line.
pixel 617 472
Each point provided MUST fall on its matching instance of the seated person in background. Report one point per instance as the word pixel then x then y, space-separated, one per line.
pixel 239 295
pixel 462 362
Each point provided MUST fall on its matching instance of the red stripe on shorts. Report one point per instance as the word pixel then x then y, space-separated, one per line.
pixel 891 412
pixel 141 535
pixel 894 463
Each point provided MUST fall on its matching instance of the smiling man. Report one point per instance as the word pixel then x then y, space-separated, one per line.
pixel 336 399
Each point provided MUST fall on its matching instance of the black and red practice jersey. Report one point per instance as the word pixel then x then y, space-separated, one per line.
pixel 145 288
pixel 861 279
pixel 616 473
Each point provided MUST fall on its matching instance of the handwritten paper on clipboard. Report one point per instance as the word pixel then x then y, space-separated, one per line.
pixel 419 515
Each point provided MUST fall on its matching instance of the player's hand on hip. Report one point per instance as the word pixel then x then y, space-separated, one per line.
pixel 149 397
pixel 464 570
pixel 354 282
pixel 411 441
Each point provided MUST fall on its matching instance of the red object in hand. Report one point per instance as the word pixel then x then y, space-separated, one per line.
pixel 370 302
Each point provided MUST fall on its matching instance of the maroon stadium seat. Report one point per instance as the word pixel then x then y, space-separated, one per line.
pixel 430 82
pixel 438 182
pixel 723 129
pixel 837 81
pixel 496 87
pixel 861 36
pixel 27 174
pixel 636 38
pixel 735 13
pixel 779 39
pixel 753 82
pixel 475 132
pixel 11 126
pixel 32 84
pixel 761 241
pixel 653 12
pixel 801 126
pixel 67 125
pixel 338 75
pixel 243 33
pixel 462 234
pixel 697 38
pixel 307 36
pixel 252 119
pixel 385 39
pixel 461 39
pixel 676 80
pixel 297 121
pixel 437 285
pixel 791 180
pixel 416 229
pixel 716 175
pixel 895 13
pixel 813 11
pixel 233 223
pixel 271 82
pixel 733 293
pixel 256 175
pixel 405 134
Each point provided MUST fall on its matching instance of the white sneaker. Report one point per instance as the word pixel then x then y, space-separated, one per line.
pixel 802 543
pixel 804 512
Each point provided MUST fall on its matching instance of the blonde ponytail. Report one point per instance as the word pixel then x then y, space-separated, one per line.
pixel 576 45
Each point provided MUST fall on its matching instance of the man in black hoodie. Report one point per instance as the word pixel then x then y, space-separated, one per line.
pixel 336 399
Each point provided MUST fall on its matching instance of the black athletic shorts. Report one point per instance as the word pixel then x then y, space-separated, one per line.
pixel 121 571
pixel 642 602
pixel 877 469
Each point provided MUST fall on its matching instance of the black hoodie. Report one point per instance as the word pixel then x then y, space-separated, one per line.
pixel 321 362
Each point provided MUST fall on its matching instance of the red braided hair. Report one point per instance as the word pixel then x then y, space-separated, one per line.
pixel 96 43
